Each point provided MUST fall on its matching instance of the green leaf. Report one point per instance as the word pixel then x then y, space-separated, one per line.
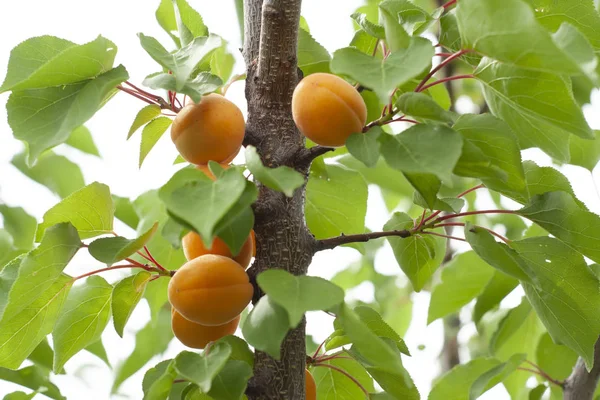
pixel 371 28
pixel 57 173
pixel 498 287
pixel 125 212
pixel 189 22
pixel 151 133
pixel 467 271
pixel 81 139
pixel 538 106
pixel 165 15
pixel 150 341
pixel 46 117
pixel 82 320
pixel 112 249
pixel 97 348
pixel 20 395
pixel 162 384
pixel 496 375
pixel 544 179
pixel 231 382
pixel 395 34
pixel 567 310
pixel 554 359
pixel 432 149
pixel 21 333
pixel 158 371
pixel 239 349
pixel 427 186
pixel 266 326
pixel 38 270
pixel 42 355
pixel 45 61
pixel 413 19
pixel 585 153
pixel 299 294
pixel 32 377
pixel 20 225
pixel 457 383
pixel 383 76
pixel 144 116
pixel 364 146
pixel 419 255
pixel 333 385
pixel 182 62
pixel 312 57
pixel 201 203
pixel 125 297
pixel 200 85
pixel 559 214
pixel 283 179
pixel 423 107
pixel 201 369
pixel 222 62
pixel 451 204
pixel 336 202
pixel 89 210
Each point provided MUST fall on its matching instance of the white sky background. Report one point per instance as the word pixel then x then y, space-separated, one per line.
pixel 120 20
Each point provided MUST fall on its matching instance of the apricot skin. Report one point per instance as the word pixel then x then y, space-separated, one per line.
pixel 194 247
pixel 213 129
pixel 197 336
pixel 310 386
pixel 210 290
pixel 327 109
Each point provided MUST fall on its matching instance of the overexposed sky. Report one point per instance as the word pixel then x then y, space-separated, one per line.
pixel 120 21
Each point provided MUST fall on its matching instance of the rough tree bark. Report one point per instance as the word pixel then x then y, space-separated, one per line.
pixel 581 384
pixel 271 31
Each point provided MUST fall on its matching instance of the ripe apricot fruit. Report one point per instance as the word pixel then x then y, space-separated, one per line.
pixel 327 109
pixel 197 336
pixel 193 247
pixel 310 386
pixel 213 129
pixel 210 290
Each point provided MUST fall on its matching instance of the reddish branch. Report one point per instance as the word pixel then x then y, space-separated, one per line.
pixel 443 236
pixel 466 214
pixel 443 80
pixel 114 267
pixel 449 4
pixel 499 236
pixel 466 192
pixel 439 67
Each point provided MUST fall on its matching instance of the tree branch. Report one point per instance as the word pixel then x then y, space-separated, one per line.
pixel 252 22
pixel 306 156
pixel 331 243
pixel 581 384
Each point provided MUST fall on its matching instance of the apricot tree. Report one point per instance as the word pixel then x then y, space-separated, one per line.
pixel 321 129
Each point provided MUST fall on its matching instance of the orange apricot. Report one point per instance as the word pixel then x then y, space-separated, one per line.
pixel 210 290
pixel 193 247
pixel 327 109
pixel 311 386
pixel 213 129
pixel 197 336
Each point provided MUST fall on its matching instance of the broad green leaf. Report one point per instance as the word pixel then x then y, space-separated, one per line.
pixel 97 348
pixel 199 202
pixel 201 369
pixel 151 134
pixel 222 62
pixel 125 212
pixel 125 296
pixel 423 107
pixel 200 85
pixel 371 28
pixel 373 348
pixel 182 62
pixel 413 19
pixel 431 149
pixel 498 145
pixel 45 61
pixel 32 377
pixel 498 287
pixel 189 22
pixel 365 43
pixel 231 382
pixel 364 146
pixel 57 173
pixel 21 333
pixel 559 214
pixel 19 395
pixel 395 34
pixel 336 202
pixel 544 179
pixel 81 139
pixel 538 106
pixel 427 186
pixel 43 355
pixel 456 384
pixel 165 15
pixel 312 57
pixel 158 371
pixel 46 117
pixel 585 153
pixel 576 46
pixel 161 385
pixel 418 256
pixel 82 320
pixel 20 225
pixel 283 179
pixel 150 341
pixel 381 175
pixel 7 250
pixel 266 326
pixel 399 384
pixel 299 294
pixel 383 76
pixel 496 375
pixel 38 270
pixel 554 359
pixel 145 115
pixel 89 210
pixel 568 297
pixel 450 204
pixel 493 28
pixel 112 249
pixel 498 255
pixel 239 349
pixel 466 271
pixel 333 385
pixel 537 392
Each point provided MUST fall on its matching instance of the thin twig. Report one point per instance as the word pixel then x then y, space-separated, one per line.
pixel 543 375
pixel 499 236
pixel 153 259
pixel 449 4
pixel 443 236
pixel 448 79
pixel 135 94
pixel 440 66
pixel 331 243
pixel 435 214
pixel 114 267
pixel 466 214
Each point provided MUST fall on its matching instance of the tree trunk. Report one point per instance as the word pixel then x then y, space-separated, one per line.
pixel 283 241
pixel 581 384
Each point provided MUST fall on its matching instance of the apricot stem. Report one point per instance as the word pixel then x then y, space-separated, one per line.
pixel 499 236
pixel 153 259
pixel 106 269
pixel 440 66
pixel 435 214
pixel 443 236
pixel 341 371
pixel 543 375
pixel 465 214
pixel 449 4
